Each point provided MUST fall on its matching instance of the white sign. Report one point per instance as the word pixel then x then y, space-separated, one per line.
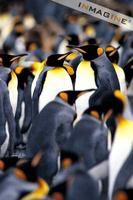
pixel 99 12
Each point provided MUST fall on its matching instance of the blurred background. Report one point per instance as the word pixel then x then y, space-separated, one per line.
pixel 39 26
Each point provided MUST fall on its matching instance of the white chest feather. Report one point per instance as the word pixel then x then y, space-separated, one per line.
pixel 85 78
pixel 121 149
pixel 57 80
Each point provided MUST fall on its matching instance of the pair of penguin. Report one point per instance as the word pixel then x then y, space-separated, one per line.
pixel 82 76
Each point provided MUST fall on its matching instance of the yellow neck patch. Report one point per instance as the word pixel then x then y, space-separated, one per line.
pixel 40 193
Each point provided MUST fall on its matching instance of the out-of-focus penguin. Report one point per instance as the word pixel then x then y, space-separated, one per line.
pixel 128 69
pixel 121 156
pixel 89 138
pixel 113 55
pixel 7 122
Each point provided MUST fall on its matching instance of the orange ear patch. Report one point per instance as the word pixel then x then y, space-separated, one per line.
pixel 64 96
pixel 2 165
pixel 20 174
pixel 100 51
pixel 95 114
pixel 108 49
pixel 66 163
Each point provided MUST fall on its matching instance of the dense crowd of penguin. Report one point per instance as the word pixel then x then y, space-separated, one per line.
pixel 66 124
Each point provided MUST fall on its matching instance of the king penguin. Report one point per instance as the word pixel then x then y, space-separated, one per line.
pixel 89 138
pixel 113 55
pixel 8 126
pixel 50 81
pixel 121 155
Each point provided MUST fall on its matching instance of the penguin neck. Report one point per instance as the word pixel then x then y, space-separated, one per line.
pixel 72 107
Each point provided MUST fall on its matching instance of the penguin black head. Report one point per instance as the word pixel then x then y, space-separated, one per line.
pixel 112 54
pixel 90 41
pixel 114 102
pixel 73 39
pixel 89 52
pixel 70 96
pixel 94 111
pixel 6 60
pixel 68 158
pixel 27 170
pixel 58 60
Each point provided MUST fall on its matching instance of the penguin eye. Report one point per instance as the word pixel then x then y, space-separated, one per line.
pixel 64 96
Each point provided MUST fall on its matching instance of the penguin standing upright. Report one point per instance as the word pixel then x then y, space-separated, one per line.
pixel 121 155
pixel 113 55
pixel 52 80
pixel 8 127
pixel 95 71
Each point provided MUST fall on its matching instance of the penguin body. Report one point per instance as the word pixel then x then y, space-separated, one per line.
pixel 50 81
pixel 122 149
pixel 7 120
pixel 92 144
pixel 54 127
pixel 12 187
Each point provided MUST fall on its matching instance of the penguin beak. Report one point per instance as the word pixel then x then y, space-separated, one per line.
pixel 80 50
pixel 108 115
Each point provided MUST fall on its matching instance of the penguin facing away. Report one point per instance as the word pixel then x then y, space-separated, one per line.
pixel 120 158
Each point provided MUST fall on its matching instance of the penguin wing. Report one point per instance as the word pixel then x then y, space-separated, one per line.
pixel 11 121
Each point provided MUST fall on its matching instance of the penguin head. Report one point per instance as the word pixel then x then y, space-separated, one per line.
pixel 70 96
pixel 94 111
pixel 6 60
pixel 90 51
pixel 27 170
pixel 73 39
pixel 112 54
pixel 68 158
pixel 114 103
pixel 58 60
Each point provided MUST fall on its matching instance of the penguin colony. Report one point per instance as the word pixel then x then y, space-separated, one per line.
pixel 66 123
